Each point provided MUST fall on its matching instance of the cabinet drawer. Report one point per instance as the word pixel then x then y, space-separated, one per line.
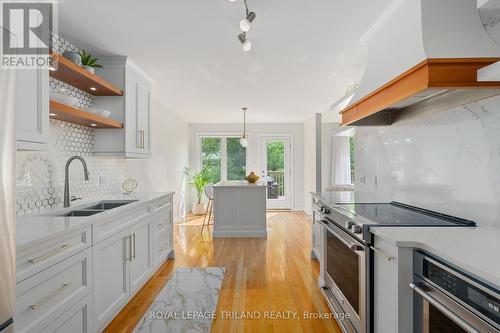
pixel 161 248
pixel 162 220
pixel 38 258
pixel 160 204
pixel 45 296
pixel 78 319
pixel 110 227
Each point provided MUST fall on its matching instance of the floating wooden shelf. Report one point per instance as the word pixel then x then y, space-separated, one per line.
pixel 426 81
pixel 70 114
pixel 76 76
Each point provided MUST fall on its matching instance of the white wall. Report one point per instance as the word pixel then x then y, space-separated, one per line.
pixel 255 131
pixel 447 161
pixel 309 162
pixel 170 151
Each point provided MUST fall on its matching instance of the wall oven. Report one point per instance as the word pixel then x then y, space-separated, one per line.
pixel 448 300
pixel 346 262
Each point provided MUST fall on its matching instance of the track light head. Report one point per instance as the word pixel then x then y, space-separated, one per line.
pixel 245 43
pixel 247 21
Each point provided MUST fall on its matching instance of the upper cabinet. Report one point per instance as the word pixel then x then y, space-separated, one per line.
pixel 32 109
pixel 133 109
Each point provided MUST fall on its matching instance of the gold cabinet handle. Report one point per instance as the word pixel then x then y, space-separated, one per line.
pixel 51 296
pixel 130 247
pixel 141 139
pixel 50 254
pixel 133 237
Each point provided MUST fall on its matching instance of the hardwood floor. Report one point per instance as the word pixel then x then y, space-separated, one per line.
pixel 271 276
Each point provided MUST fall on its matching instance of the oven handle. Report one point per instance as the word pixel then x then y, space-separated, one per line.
pixel 462 323
pixel 352 246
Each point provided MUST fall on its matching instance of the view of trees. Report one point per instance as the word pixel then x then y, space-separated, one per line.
pixel 236 160
pixel 211 156
pixel 275 156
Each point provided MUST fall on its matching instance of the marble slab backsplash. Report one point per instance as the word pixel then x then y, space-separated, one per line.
pixel 40 175
pixel 447 161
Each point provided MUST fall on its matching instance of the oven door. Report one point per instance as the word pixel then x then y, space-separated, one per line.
pixel 346 267
pixel 438 313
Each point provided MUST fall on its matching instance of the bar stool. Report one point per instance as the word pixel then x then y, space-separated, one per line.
pixel 209 193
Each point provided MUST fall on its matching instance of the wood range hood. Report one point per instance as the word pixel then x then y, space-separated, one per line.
pixel 428 81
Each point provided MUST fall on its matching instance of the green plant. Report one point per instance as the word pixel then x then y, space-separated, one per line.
pixel 88 60
pixel 198 179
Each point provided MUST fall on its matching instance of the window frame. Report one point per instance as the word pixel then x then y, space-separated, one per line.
pixel 223 160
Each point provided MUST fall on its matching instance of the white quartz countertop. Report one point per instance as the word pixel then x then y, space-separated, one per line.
pixel 237 183
pixel 33 229
pixel 475 250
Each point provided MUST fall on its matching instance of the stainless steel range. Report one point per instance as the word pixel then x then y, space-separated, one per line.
pixel 347 252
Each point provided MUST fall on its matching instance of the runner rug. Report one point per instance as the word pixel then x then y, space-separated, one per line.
pixel 187 303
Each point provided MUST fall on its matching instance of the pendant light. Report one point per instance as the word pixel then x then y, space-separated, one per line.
pixel 244 139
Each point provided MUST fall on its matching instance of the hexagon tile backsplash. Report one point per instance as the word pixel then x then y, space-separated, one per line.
pixel 40 175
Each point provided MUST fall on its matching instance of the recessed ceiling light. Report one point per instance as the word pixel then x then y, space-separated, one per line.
pixel 53 114
pixel 93 88
pixel 93 125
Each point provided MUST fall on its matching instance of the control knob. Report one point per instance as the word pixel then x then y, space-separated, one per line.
pixel 356 229
pixel 326 210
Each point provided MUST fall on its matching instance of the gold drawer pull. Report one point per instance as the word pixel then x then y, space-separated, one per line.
pixel 50 254
pixel 51 296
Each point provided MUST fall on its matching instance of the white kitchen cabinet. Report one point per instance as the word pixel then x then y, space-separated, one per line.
pixel 133 109
pixel 32 109
pixel 122 264
pixel 47 295
pixel 111 277
pixel 163 235
pixel 78 319
pixel 393 300
pixel 141 263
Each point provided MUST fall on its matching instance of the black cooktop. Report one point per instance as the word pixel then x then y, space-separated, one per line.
pixel 399 214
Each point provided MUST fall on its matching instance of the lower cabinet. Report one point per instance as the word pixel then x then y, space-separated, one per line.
pixel 78 319
pixel 123 263
pixel 81 292
pixel 45 297
pixel 141 262
pixel 111 276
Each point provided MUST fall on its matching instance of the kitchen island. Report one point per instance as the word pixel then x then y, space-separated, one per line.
pixel 239 209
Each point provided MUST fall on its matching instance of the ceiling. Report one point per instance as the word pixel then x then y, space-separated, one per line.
pixel 305 53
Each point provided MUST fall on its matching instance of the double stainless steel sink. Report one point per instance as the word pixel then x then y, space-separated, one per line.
pixel 97 208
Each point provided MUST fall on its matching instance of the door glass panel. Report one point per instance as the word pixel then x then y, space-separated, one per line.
pixel 343 267
pixel 275 157
pixel 236 160
pixel 211 151
pixel 440 323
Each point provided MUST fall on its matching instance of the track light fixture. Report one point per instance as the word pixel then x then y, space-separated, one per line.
pixel 245 27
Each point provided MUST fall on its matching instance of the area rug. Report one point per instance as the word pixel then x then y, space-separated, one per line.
pixel 187 303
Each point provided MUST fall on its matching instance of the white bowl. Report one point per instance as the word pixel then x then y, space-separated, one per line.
pixel 105 113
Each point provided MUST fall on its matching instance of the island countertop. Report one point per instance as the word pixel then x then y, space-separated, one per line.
pixel 238 183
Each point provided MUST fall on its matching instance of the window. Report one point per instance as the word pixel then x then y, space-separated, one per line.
pixel 211 152
pixel 236 160
pixel 225 158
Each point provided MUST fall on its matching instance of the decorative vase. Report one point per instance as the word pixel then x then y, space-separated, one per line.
pixel 72 56
pixel 252 178
pixel 198 208
pixel 90 69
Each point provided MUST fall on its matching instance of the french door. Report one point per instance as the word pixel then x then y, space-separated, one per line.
pixel 275 162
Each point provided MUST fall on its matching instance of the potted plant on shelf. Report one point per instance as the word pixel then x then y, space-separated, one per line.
pixel 89 62
pixel 198 179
